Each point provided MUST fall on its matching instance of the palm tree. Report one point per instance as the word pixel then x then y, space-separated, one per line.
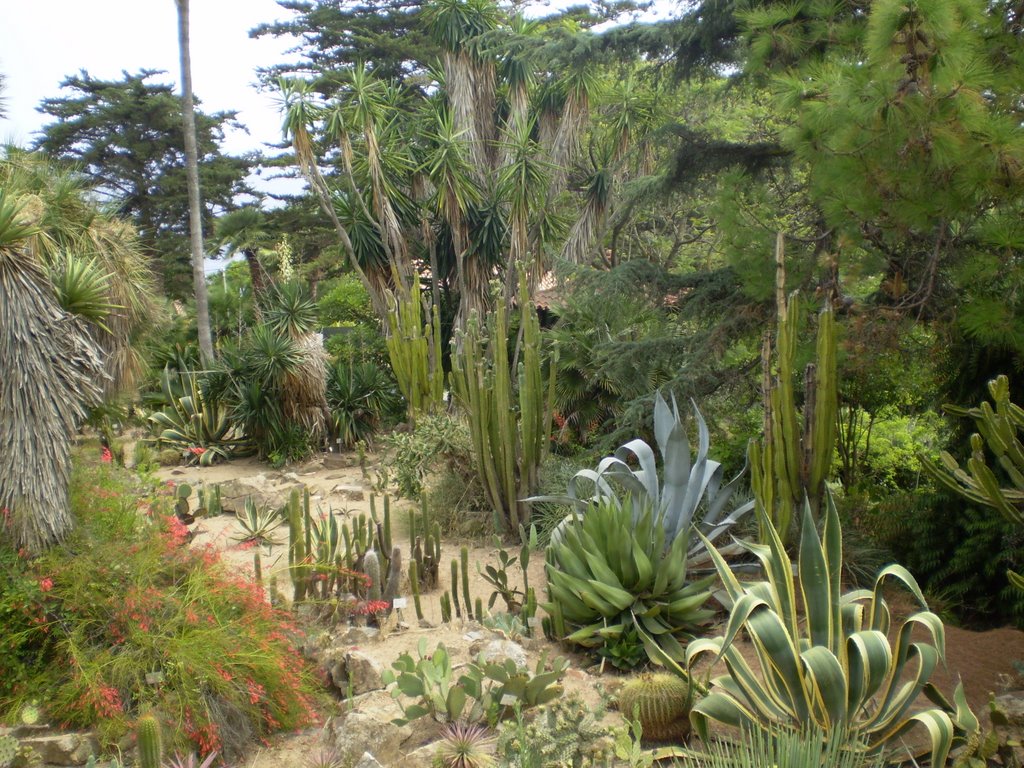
pixel 52 371
pixel 188 116
pixel 244 231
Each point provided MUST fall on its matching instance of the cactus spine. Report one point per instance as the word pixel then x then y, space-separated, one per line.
pixel 414 585
pixel 147 733
pixel 794 459
pixel 661 702
pixel 510 438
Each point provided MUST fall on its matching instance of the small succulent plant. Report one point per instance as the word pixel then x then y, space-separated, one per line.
pixel 466 745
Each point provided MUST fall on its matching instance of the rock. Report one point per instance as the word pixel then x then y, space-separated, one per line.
pixel 63 748
pixel 263 492
pixel 1012 705
pixel 422 757
pixel 372 731
pixel 353 672
pixel 359 636
pixel 368 761
pixel 348 492
pixel 497 651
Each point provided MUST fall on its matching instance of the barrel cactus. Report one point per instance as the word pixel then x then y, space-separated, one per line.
pixel 661 702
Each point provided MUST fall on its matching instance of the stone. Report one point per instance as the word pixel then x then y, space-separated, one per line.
pixel 355 733
pixel 73 748
pixel 423 757
pixel 1012 705
pixel 263 492
pixel 368 761
pixel 497 651
pixel 348 492
pixel 353 672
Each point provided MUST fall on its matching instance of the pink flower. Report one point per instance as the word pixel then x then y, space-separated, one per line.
pixel 107 456
pixel 46 584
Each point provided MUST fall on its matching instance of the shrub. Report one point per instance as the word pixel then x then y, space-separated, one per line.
pixel 127 618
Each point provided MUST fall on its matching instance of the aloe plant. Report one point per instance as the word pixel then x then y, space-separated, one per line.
pixel 835 669
pixel 614 572
pixel 687 493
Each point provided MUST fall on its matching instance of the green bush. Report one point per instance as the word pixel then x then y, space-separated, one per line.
pixel 127 618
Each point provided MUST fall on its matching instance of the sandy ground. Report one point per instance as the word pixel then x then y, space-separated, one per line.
pixel 985 661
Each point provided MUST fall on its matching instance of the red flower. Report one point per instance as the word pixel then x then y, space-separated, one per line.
pixel 197 451
pixel 46 584
pixel 107 456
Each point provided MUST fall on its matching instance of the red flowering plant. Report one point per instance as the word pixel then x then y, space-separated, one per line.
pixel 128 618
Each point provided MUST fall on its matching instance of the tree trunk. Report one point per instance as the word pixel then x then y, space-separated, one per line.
pixel 195 220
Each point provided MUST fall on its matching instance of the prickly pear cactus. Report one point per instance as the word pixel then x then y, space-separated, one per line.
pixel 8 751
pixel 661 702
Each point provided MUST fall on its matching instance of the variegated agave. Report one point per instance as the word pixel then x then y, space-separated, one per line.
pixel 835 669
pixel 678 495
pixel 195 423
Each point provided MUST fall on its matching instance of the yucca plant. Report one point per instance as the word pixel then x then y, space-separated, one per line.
pixel 835 669
pixel 613 571
pixel 361 397
pixel 687 493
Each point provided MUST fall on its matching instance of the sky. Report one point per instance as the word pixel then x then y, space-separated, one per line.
pixel 44 41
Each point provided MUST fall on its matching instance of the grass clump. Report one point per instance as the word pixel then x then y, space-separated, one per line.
pixel 125 618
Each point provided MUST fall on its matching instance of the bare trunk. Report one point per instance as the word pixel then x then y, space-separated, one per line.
pixel 195 221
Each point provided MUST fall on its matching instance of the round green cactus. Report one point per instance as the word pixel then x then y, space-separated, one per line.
pixel 661 702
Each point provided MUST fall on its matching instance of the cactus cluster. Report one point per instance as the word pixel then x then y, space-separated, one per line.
pixel 450 599
pixel 425 545
pixel 794 459
pixel 324 554
pixel 509 419
pixel 661 702
pixel 209 501
pixel 8 751
pixel 414 348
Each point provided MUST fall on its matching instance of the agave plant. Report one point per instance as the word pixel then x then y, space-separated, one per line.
pixel 677 496
pixel 258 523
pixel 613 572
pixel 836 669
pixel 193 422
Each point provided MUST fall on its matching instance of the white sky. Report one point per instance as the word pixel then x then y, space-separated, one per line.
pixel 44 41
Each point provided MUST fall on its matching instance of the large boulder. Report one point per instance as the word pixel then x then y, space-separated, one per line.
pixel 353 672
pixel 263 491
pixel 355 733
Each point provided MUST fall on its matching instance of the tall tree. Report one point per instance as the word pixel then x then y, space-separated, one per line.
pixel 188 115
pixel 74 297
pixel 126 136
